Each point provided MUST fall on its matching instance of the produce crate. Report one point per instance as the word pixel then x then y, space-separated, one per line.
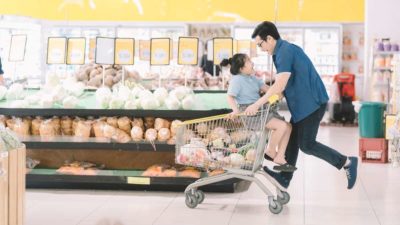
pixel 12 187
pixel 374 150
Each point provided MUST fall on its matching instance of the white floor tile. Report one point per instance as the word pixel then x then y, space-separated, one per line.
pixel 318 196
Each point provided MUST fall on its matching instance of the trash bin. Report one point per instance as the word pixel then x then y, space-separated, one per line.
pixel 370 120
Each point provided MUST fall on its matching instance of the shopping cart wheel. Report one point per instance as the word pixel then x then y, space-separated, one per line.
pixel 200 196
pixel 285 198
pixel 275 207
pixel 191 200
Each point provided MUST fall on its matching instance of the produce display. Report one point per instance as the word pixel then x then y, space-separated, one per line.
pixel 92 75
pixel 80 168
pixel 122 129
pixel 173 76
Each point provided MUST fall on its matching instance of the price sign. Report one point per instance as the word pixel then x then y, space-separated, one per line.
pixel 244 46
pixel 124 51
pixel 223 49
pixel 56 47
pixel 105 48
pixel 17 48
pixel 160 51
pixel 144 50
pixel 76 51
pixel 92 48
pixel 188 48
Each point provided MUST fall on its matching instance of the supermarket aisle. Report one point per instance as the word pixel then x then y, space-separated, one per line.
pixel 318 191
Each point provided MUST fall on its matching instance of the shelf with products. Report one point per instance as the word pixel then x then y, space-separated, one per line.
pixel 120 180
pixel 124 160
pixel 383 73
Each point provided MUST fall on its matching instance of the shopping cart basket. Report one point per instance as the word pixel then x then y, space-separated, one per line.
pixel 234 145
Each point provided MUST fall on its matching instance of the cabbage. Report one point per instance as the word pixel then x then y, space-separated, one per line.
pixel 74 88
pixel 188 102
pixel 3 92
pixel 149 103
pixel 58 93
pixel 70 102
pixel 52 79
pixel 145 94
pixel 132 104
pixel 136 91
pixel 15 92
pixel 124 93
pixel 172 103
pixel 161 94
pixel 103 97
pixel 116 103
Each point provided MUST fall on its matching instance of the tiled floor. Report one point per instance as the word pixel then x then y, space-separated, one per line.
pixel 318 196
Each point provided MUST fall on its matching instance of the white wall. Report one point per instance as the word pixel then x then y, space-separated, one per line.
pixel 382 19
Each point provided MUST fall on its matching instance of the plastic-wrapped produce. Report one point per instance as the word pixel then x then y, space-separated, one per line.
pixel 83 129
pixel 161 123
pixel 137 133
pixel 35 128
pixel 66 126
pixel 138 122
pixel 174 126
pixel 47 129
pixel 164 134
pixel 113 121
pixel 149 122
pixel 124 123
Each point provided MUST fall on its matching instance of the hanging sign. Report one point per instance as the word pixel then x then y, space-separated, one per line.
pixel 188 48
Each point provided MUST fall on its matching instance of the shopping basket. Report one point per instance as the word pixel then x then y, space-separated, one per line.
pixel 234 145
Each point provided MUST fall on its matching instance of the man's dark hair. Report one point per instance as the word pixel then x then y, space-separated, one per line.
pixel 264 29
pixel 237 62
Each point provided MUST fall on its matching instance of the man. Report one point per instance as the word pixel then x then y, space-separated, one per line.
pixel 306 97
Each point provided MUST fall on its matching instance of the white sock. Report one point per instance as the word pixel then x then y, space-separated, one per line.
pixel 348 162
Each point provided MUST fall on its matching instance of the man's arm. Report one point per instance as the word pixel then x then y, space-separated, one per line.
pixel 278 87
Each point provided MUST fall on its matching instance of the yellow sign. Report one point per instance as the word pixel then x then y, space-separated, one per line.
pixel 56 47
pixel 144 50
pixel 139 180
pixel 223 49
pixel 92 48
pixel 76 51
pixel 124 51
pixel 160 51
pixel 188 48
pixel 244 46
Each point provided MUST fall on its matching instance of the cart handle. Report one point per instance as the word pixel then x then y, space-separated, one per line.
pixel 271 100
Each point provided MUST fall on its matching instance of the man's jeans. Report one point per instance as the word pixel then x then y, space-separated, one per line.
pixel 304 135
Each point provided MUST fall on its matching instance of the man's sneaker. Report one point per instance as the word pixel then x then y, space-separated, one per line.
pixel 351 172
pixel 283 182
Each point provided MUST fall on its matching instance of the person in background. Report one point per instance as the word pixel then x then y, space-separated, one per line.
pixel 208 65
pixel 306 97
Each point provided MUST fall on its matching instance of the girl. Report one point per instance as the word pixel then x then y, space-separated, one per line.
pixel 244 89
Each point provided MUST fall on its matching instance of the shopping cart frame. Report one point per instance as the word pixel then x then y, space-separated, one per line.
pixel 194 196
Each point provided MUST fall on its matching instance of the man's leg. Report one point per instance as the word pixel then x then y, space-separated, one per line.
pixel 307 133
pixel 292 151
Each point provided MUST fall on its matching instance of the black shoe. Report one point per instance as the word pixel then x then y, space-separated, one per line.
pixel 280 180
pixel 351 172
pixel 267 157
pixel 285 168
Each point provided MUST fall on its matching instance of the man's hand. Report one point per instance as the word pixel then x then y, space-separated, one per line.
pixel 251 109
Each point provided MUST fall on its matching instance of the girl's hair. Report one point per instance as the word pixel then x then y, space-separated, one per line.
pixel 237 62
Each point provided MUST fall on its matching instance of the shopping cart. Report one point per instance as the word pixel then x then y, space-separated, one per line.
pixel 234 145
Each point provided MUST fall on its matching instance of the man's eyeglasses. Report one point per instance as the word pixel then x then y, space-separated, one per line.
pixel 259 44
